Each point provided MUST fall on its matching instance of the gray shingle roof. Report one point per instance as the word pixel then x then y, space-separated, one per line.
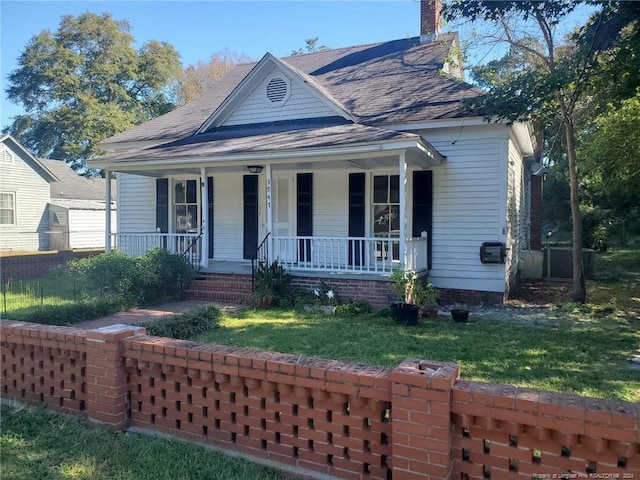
pixel 396 81
pixel 70 185
pixel 280 137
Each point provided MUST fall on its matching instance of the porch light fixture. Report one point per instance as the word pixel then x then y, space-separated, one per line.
pixel 255 168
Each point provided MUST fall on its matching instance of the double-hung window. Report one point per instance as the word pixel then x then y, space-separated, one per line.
pixel 386 215
pixel 7 208
pixel 185 202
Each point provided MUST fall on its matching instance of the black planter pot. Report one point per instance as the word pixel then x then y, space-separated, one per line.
pixel 460 315
pixel 405 313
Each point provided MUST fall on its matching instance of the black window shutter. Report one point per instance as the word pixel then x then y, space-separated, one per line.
pixel 304 200
pixel 210 214
pixel 162 204
pixel 250 215
pixel 356 215
pixel 423 207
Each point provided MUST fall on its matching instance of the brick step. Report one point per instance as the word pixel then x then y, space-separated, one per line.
pixel 232 296
pixel 221 285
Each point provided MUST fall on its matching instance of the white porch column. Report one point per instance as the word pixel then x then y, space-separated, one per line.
pixel 269 210
pixel 107 205
pixel 204 199
pixel 403 207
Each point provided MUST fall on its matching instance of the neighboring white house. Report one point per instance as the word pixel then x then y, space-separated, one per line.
pixel 24 196
pixel 341 164
pixel 76 209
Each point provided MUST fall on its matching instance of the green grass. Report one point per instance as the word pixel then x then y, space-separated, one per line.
pixel 37 444
pixel 617 279
pixel 20 297
pixel 581 353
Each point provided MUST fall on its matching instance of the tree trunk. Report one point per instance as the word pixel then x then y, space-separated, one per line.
pixel 579 290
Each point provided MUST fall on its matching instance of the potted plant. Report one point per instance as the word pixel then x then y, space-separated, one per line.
pixel 426 296
pixel 403 283
pixel 460 312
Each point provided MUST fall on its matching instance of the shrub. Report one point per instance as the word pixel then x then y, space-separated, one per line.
pixel 70 314
pixel 184 325
pixel 161 276
pixel 272 280
pixel 152 278
pixel 360 307
pixel 108 272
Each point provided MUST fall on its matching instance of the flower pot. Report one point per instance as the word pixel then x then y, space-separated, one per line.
pixel 265 302
pixel 405 313
pixel 460 315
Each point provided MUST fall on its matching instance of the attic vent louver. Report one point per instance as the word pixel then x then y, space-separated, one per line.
pixel 277 90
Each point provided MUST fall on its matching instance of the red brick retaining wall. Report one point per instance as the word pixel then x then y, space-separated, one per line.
pixel 315 416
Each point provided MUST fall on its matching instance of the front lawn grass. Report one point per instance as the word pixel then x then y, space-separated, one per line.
pixel 39 444
pixel 585 353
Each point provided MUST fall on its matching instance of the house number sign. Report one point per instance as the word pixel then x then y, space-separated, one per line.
pixel 269 193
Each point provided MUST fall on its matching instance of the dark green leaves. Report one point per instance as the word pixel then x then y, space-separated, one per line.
pixel 86 82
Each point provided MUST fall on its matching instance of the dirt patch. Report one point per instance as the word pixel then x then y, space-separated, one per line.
pixel 542 293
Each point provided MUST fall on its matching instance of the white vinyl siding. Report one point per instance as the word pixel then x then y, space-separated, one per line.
pixel 86 228
pixel 468 206
pixel 136 203
pixel 516 213
pixel 331 203
pixel 30 193
pixel 302 103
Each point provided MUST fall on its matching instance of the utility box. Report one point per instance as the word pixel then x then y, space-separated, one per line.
pixel 558 262
pixel 531 265
pixel 493 252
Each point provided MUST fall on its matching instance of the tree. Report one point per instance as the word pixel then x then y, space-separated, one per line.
pixel 195 79
pixel 84 83
pixel 612 156
pixel 310 47
pixel 541 79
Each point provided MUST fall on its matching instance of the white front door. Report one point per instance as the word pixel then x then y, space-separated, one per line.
pixel 284 217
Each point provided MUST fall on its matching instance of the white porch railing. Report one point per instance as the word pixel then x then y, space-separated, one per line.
pixel 187 244
pixel 349 254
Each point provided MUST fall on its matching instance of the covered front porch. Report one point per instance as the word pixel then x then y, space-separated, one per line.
pixel 347 199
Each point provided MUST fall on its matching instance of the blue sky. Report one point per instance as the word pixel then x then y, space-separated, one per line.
pixel 198 29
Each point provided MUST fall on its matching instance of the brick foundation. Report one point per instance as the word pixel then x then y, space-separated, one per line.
pixel 376 292
pixel 450 296
pixel 315 416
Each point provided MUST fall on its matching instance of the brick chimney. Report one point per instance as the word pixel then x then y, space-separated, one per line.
pixel 430 21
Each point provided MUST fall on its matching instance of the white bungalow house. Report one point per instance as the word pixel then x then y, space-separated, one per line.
pixel 342 165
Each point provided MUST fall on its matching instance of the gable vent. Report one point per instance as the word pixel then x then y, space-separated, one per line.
pixel 6 156
pixel 277 90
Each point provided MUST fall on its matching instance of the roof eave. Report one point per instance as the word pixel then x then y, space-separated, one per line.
pixel 379 148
